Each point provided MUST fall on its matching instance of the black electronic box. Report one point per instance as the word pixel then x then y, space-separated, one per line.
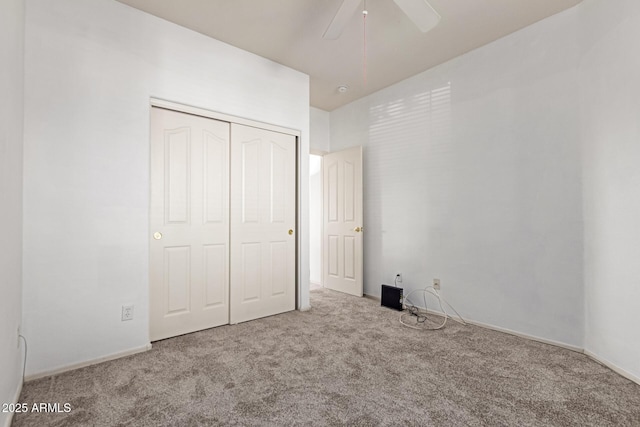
pixel 391 297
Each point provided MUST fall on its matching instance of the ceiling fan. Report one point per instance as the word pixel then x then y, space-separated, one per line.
pixel 419 11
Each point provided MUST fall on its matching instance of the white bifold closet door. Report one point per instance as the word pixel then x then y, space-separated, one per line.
pixel 189 274
pixel 223 216
pixel 263 220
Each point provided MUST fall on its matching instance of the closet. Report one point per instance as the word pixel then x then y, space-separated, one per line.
pixel 222 223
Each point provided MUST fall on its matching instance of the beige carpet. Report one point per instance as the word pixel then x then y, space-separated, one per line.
pixel 346 362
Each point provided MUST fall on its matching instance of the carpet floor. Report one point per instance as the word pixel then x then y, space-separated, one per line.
pixel 347 361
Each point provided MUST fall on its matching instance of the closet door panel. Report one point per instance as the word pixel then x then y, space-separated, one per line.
pixel 263 217
pixel 189 219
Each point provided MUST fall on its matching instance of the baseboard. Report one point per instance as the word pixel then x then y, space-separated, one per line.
pixel 86 363
pixel 16 397
pixel 523 335
pixel 305 308
pixel 505 330
pixel 615 368
pixel 373 297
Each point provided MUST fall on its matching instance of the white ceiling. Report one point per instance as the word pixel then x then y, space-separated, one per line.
pixel 290 32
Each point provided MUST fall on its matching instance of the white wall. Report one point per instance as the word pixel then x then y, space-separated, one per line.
pixel 319 143
pixel 91 68
pixel 11 109
pixel 319 130
pixel 315 219
pixel 610 90
pixel 472 175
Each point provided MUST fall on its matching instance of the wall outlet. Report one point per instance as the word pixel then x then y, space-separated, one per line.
pixel 127 312
pixel 436 284
pixel 398 278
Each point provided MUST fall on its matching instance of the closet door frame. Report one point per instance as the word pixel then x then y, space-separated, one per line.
pixel 182 108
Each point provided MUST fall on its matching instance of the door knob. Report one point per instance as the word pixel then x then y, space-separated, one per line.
pixel 290 232
pixel 358 229
pixel 157 235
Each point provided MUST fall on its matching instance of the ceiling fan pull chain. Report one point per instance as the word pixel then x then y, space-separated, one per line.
pixel 364 48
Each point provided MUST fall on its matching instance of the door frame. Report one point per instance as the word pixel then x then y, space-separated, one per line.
pixel 196 111
pixel 319 153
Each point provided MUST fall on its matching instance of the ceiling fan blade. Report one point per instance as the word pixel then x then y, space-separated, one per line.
pixel 420 12
pixel 344 14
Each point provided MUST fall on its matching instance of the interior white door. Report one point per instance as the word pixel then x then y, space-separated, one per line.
pixel 342 259
pixel 189 275
pixel 263 223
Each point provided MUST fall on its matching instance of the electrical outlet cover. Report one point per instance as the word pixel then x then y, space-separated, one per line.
pixel 127 312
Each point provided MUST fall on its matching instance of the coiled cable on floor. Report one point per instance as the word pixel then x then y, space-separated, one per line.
pixel 421 315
